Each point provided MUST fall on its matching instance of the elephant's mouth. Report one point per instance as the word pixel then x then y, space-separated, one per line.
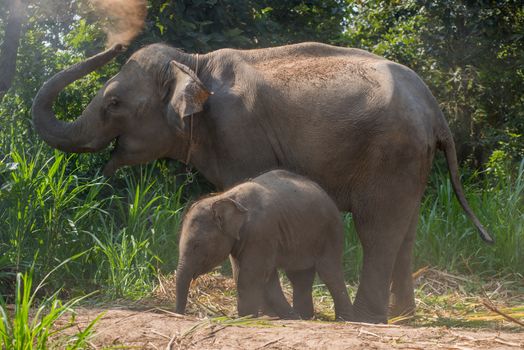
pixel 112 165
pixel 123 153
pixel 86 150
pixel 114 146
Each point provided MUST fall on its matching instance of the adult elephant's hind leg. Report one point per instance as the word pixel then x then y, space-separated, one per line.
pixel 402 300
pixel 382 220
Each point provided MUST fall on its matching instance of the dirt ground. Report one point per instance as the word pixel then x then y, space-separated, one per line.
pixel 448 317
pixel 161 329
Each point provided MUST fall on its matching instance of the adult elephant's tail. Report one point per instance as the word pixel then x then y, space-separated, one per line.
pixel 446 144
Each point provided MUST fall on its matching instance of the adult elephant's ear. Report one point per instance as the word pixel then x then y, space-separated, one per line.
pixel 188 95
pixel 229 215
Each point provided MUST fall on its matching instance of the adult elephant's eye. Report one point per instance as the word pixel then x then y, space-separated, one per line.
pixel 113 102
pixel 110 106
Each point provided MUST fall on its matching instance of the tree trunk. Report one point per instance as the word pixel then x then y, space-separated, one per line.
pixel 9 49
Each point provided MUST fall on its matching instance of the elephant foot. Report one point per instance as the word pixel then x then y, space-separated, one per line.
pixel 369 319
pixel 398 310
pixel 304 313
pixel 401 305
pixel 345 318
pixel 285 313
pixel 281 315
pixel 360 315
pixel 291 316
pixel 267 310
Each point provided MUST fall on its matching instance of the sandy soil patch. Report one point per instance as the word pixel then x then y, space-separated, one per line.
pixel 160 329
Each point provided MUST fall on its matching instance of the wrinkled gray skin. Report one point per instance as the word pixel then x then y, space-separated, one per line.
pixel 364 128
pixel 277 220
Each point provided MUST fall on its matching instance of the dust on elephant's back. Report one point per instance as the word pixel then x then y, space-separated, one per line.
pixel 316 72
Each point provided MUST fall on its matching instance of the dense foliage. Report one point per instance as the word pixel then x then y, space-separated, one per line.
pixel 470 53
pixel 54 206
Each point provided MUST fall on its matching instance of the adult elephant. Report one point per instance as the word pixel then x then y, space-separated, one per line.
pixel 366 129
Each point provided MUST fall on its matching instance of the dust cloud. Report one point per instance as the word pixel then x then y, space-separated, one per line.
pixel 123 19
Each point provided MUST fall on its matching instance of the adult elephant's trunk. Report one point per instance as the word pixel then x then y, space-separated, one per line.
pixel 68 137
pixel 183 280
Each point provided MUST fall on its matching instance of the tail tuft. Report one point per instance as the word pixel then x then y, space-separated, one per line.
pixel 486 237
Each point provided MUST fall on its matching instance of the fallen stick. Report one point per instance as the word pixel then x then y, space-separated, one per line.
pixel 492 307
pixel 269 343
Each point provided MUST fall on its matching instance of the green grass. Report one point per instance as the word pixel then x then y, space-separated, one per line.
pixel 50 206
pixel 31 324
pixel 447 239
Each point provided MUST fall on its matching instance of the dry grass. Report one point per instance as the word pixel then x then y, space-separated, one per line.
pixel 210 295
pixel 443 299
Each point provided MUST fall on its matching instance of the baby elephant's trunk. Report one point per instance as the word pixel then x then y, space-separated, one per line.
pixel 183 280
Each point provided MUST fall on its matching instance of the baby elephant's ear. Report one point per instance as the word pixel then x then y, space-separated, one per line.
pixel 229 215
pixel 188 95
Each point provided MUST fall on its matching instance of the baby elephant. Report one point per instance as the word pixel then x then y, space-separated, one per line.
pixel 277 220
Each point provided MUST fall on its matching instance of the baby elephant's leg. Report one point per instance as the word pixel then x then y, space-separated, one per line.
pixel 329 268
pixel 254 272
pixel 250 288
pixel 275 300
pixel 302 282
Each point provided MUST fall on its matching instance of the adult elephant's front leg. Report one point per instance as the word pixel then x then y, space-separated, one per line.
pixel 382 223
